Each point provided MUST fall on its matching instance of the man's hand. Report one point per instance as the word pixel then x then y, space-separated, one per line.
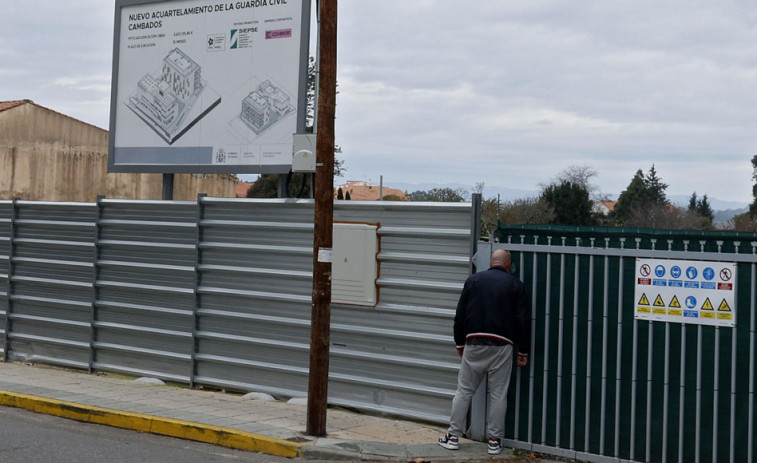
pixel 460 351
pixel 522 360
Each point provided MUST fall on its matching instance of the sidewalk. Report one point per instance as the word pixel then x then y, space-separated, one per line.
pixel 271 427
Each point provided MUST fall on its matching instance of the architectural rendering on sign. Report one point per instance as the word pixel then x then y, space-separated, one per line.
pixel 264 106
pixel 201 87
pixel 167 101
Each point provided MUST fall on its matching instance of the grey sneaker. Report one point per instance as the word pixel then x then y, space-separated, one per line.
pixel 449 442
pixel 495 448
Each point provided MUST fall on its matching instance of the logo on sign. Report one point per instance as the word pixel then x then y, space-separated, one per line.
pixel 708 273
pixel 725 274
pixel 659 271
pixel 279 34
pixel 691 302
pixel 675 271
pixel 691 273
pixel 645 270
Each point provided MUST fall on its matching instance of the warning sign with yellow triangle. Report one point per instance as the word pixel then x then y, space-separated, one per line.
pixel 674 303
pixel 707 305
pixel 643 300
pixel 658 302
pixel 724 307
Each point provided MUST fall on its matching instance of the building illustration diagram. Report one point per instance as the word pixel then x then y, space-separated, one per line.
pixel 173 99
pixel 264 106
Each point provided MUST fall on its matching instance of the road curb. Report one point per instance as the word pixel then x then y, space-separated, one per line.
pixel 210 434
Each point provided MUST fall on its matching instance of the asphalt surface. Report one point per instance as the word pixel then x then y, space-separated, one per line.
pixel 29 437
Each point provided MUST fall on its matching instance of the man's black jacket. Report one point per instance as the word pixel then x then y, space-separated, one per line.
pixel 493 305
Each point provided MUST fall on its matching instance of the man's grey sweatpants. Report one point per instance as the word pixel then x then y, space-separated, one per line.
pixel 497 361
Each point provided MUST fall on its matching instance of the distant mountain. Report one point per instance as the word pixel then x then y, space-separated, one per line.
pixel 715 203
pixel 727 214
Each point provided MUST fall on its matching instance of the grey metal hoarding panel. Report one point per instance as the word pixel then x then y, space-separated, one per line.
pixel 52 282
pixel 5 233
pixel 145 287
pixel 255 283
pixel 398 357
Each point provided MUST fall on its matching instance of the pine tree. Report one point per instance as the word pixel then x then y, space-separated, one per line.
pixel 704 209
pixel 693 202
pixel 339 193
pixel 570 202
pixel 645 192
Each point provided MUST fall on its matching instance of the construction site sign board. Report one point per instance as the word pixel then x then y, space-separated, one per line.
pixel 686 291
pixel 208 86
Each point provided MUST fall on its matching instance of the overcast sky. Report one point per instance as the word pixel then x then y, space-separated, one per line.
pixel 496 91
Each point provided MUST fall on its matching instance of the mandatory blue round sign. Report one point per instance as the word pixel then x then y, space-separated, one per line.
pixel 691 273
pixel 659 271
pixel 708 273
pixel 675 271
pixel 691 302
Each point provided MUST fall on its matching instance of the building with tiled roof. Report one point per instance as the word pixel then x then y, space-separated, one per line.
pixel 366 191
pixel 604 206
pixel 242 188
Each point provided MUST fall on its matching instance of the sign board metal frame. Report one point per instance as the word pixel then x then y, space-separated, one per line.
pixel 208 86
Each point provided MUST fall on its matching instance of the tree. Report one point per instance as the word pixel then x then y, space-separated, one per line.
pixel 339 193
pixel 570 203
pixel 667 216
pixel 526 211
pixel 417 195
pixel 743 223
pixel 644 193
pixel 266 186
pixel 753 206
pixel 580 175
pixel 448 195
pixel 347 196
pixel 655 187
pixel 701 207
pixel 693 202
pixel 704 209
pixel 478 188
pixel 443 195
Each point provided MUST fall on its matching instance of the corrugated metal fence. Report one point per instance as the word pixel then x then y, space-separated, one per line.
pixel 217 292
pixel 604 386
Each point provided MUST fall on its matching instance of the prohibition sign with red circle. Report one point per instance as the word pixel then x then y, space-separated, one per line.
pixel 645 270
pixel 725 274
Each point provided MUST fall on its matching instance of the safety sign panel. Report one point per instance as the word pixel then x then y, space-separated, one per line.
pixel 685 291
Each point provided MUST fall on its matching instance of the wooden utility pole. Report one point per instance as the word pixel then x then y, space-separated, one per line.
pixel 320 327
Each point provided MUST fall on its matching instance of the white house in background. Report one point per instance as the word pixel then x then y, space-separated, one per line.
pixel 604 207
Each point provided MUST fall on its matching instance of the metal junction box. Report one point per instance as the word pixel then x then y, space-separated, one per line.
pixel 303 153
pixel 354 268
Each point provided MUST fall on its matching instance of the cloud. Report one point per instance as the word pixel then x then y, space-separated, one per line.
pixel 97 83
pixel 496 91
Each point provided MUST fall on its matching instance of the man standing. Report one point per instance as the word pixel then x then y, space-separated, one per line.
pixel 492 315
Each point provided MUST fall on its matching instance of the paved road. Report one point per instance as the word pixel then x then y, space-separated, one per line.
pixel 27 437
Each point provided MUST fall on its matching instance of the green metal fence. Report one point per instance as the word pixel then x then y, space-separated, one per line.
pixel 603 385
